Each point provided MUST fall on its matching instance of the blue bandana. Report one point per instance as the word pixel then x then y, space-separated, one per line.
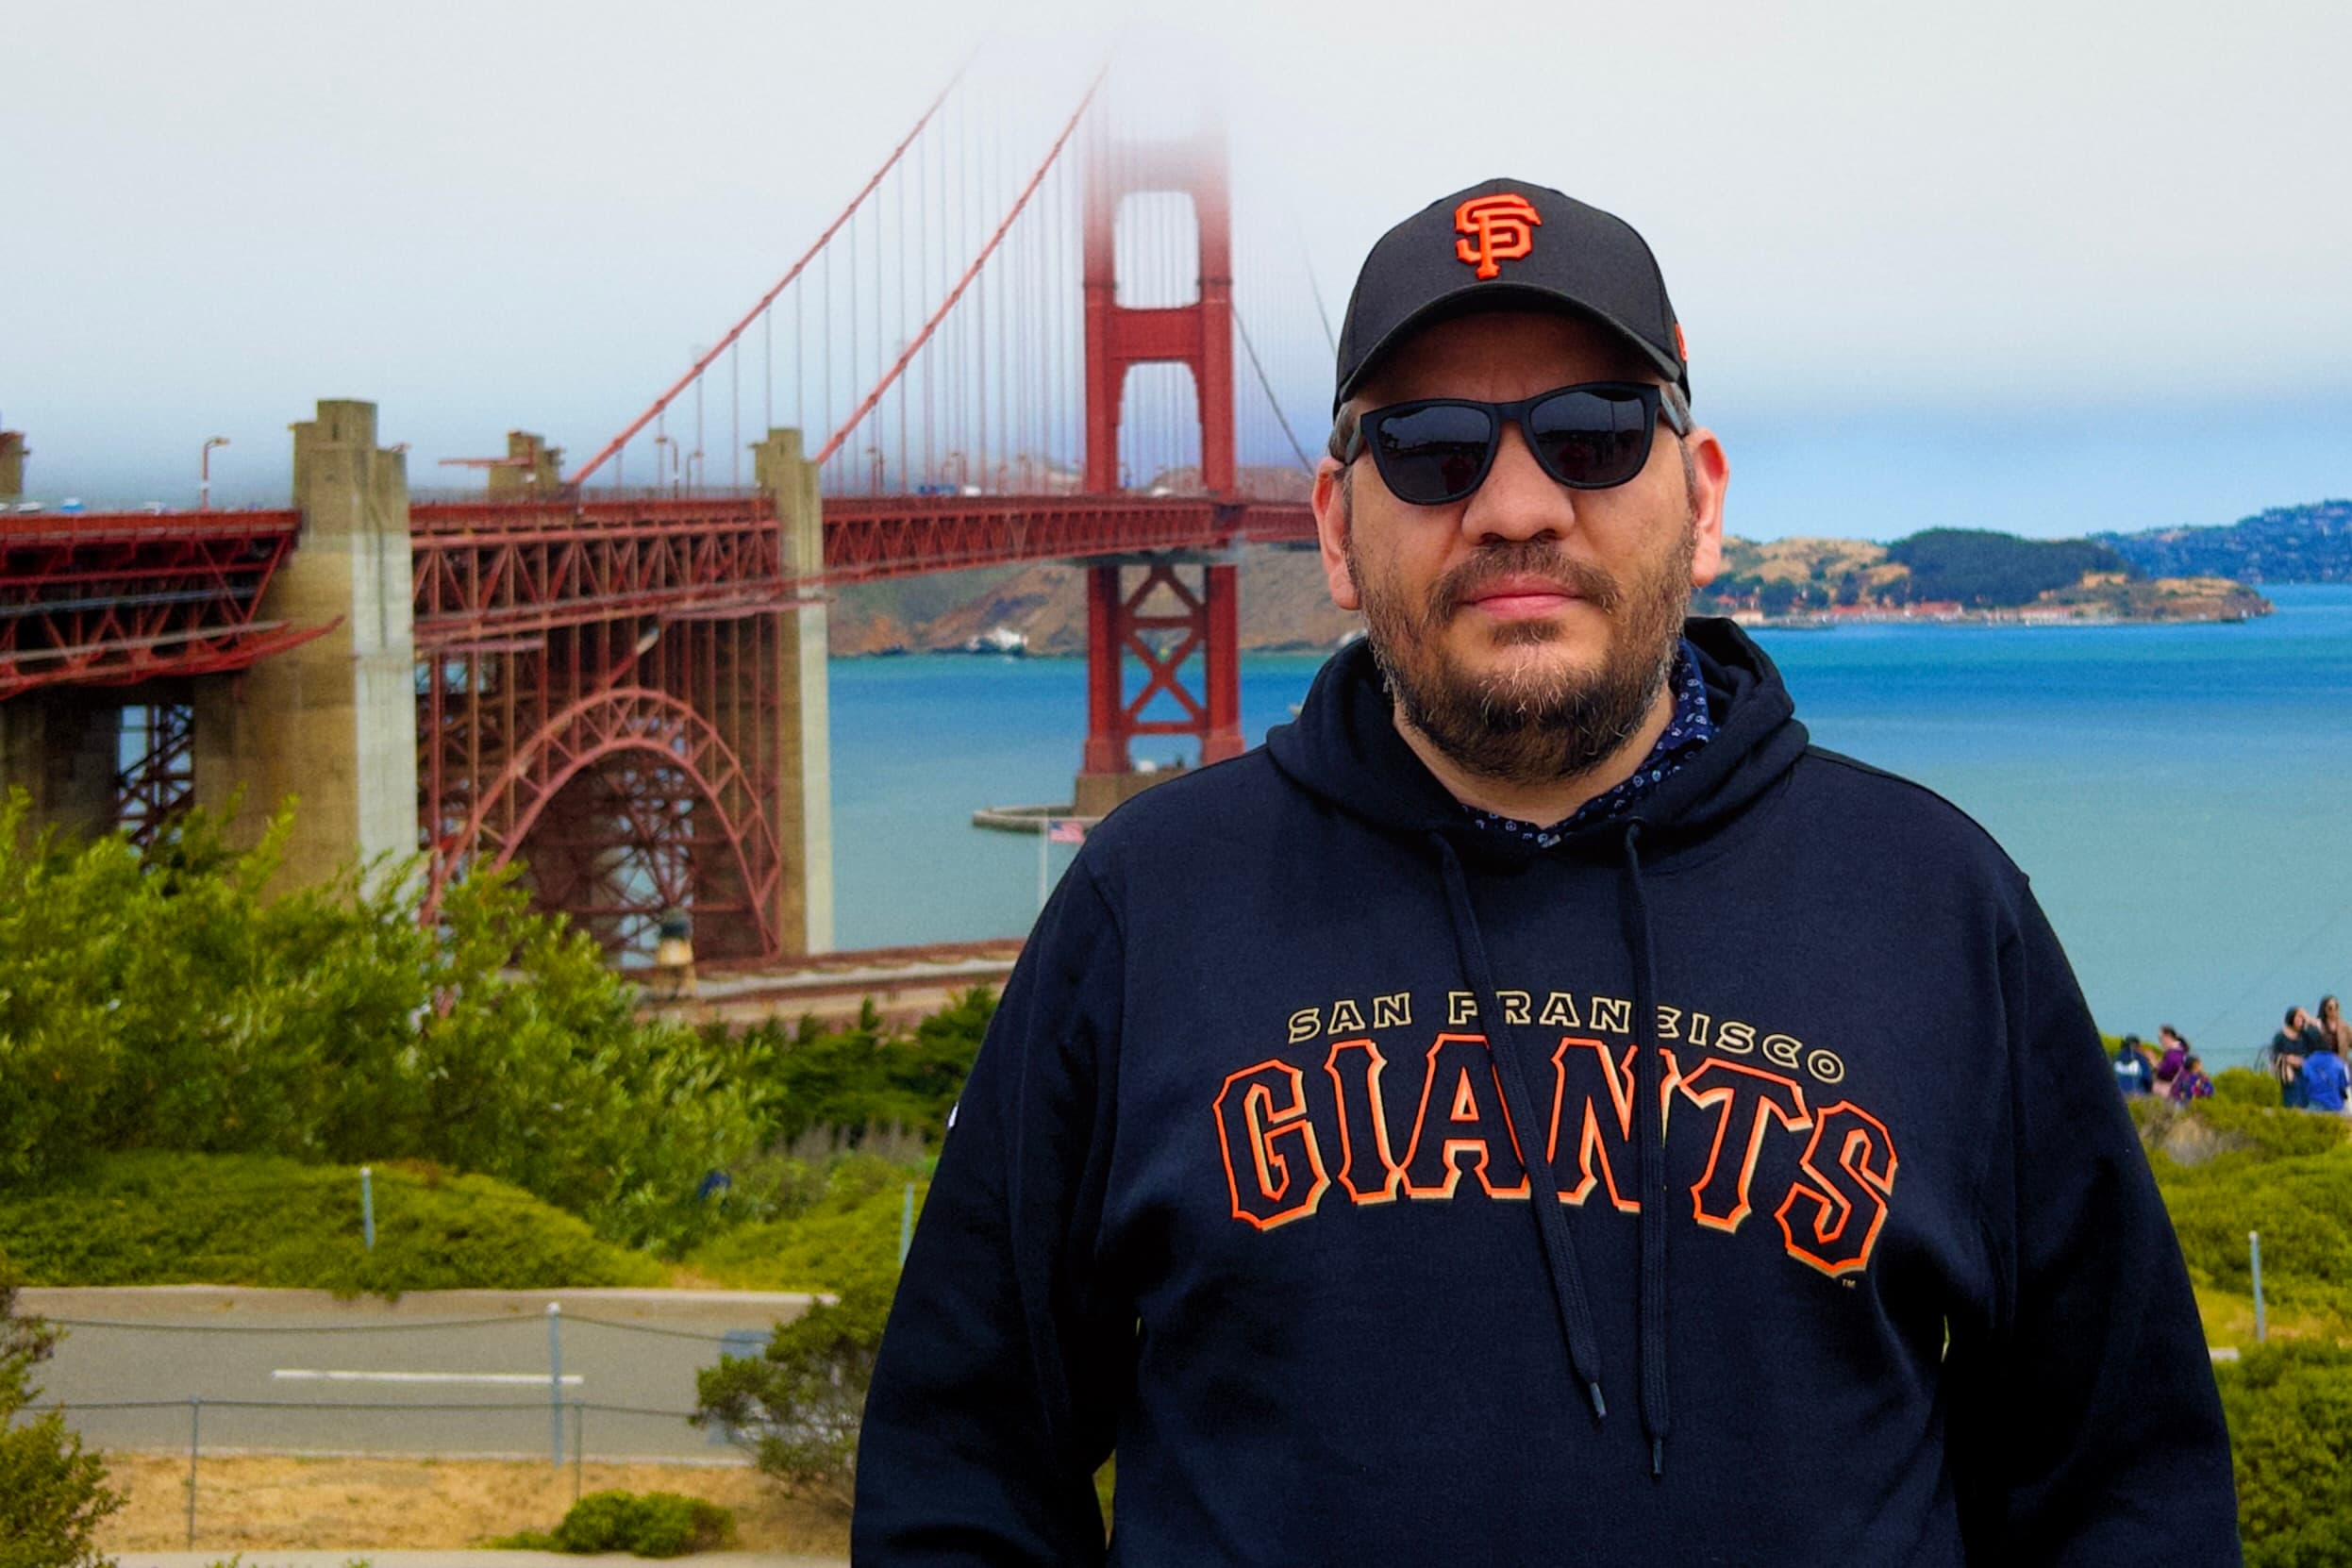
pixel 1690 729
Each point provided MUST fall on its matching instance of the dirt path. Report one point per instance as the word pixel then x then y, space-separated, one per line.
pixel 243 1504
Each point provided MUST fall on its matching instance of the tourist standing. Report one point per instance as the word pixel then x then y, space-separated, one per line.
pixel 2332 1025
pixel 2284 1055
pixel 2324 1080
pixel 2134 1074
pixel 1319 1154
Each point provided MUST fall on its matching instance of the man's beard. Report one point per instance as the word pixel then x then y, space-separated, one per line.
pixel 1531 725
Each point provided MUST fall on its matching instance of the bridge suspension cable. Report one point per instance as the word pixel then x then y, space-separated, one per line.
pixel 956 293
pixel 759 311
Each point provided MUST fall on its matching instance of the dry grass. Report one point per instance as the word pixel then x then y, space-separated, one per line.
pixel 389 1504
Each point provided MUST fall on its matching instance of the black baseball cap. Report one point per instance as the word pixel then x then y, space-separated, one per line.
pixel 1508 244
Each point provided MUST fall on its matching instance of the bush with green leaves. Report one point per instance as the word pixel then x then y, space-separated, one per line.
pixel 797 1406
pixel 849 1232
pixel 53 1491
pixel 2245 1086
pixel 865 1076
pixel 153 1218
pixel 171 1000
pixel 2290 1411
pixel 2229 1167
pixel 653 1523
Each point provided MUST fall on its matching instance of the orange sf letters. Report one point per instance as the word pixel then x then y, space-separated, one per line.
pixel 1499 228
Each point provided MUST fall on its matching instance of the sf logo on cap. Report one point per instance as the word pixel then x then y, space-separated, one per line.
pixel 1501 228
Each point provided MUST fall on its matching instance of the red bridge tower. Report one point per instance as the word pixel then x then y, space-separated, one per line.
pixel 1121 620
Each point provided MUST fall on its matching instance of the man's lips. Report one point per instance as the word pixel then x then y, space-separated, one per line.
pixel 1521 599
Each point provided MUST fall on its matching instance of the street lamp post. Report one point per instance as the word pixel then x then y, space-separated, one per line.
pixel 204 486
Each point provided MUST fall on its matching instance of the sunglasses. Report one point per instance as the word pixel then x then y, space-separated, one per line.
pixel 1436 450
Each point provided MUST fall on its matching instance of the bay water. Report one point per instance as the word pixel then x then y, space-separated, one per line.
pixel 2176 792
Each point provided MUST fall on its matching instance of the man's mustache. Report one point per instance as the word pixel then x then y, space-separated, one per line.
pixel 1530 558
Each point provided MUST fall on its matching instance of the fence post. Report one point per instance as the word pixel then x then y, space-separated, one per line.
pixel 2254 1246
pixel 905 1225
pixel 555 1384
pixel 196 1420
pixel 579 1444
pixel 367 1208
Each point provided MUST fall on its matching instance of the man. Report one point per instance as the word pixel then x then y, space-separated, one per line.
pixel 1538 1110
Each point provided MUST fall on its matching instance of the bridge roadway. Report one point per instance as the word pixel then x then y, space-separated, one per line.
pixel 477 1386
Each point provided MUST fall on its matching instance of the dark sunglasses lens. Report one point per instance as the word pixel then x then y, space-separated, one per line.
pixel 1591 438
pixel 1431 456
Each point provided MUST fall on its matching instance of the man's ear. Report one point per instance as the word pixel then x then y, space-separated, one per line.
pixel 1711 475
pixel 1333 522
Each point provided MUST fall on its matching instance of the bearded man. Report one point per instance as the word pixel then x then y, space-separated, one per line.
pixel 1541 1109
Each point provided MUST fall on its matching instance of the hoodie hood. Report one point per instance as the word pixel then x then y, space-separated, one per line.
pixel 1344 748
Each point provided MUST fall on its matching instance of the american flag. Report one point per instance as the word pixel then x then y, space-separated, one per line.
pixel 1066 831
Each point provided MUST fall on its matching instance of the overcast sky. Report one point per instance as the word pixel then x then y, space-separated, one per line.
pixel 2049 267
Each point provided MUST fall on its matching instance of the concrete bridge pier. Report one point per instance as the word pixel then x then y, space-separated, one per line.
pixel 801 806
pixel 333 721
pixel 60 746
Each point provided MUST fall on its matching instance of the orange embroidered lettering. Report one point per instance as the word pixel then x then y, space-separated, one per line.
pixel 1501 228
pixel 1262 1117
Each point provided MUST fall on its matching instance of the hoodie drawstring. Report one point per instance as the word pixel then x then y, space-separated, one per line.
pixel 1551 1227
pixel 1649 1086
pixel 1520 1095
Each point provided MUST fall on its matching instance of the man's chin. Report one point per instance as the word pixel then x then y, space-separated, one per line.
pixel 1516 662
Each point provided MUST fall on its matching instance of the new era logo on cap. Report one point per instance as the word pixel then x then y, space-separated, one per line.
pixel 1508 244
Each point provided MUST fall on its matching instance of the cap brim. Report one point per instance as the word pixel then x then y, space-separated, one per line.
pixel 1479 298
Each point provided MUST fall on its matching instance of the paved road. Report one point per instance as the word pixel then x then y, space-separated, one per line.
pixel 271 1365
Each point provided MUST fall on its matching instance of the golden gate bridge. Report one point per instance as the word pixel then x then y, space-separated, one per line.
pixel 1022 339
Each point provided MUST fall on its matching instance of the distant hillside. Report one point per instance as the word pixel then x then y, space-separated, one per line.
pixel 1960 574
pixel 1993 571
pixel 2308 544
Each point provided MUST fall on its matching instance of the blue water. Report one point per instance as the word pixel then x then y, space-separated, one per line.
pixel 2176 792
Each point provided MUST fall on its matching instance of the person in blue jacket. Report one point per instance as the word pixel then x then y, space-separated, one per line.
pixel 1540 1108
pixel 2135 1074
pixel 2323 1079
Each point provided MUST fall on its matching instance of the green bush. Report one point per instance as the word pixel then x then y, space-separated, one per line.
pixel 165 1001
pixel 53 1493
pixel 657 1524
pixel 799 1405
pixel 849 1233
pixel 2290 1411
pixel 2245 1086
pixel 167 1219
pixel 863 1076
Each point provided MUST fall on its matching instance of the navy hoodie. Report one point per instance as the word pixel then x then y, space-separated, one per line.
pixel 1314 1163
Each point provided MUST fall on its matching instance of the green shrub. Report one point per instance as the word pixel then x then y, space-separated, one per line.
pixel 53 1493
pixel 799 1405
pixel 863 1076
pixel 657 1524
pixel 850 1233
pixel 167 1001
pixel 162 1218
pixel 2245 1086
pixel 2290 1411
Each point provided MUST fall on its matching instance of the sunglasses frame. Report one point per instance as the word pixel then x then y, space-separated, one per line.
pixel 1651 395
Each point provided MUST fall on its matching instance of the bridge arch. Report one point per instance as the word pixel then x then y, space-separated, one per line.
pixel 619 725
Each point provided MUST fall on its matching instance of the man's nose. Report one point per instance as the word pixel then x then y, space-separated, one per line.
pixel 1518 500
